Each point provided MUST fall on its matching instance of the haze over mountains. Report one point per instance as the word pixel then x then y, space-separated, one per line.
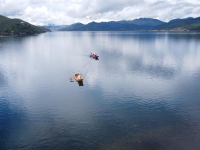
pixel 17 26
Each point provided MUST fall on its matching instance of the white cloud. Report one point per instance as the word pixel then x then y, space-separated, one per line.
pixel 72 11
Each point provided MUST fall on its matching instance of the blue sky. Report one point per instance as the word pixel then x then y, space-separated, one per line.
pixel 64 12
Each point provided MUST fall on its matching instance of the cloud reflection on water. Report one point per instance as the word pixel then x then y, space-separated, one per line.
pixel 140 87
pixel 157 58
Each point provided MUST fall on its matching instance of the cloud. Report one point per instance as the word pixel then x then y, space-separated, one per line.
pixel 59 12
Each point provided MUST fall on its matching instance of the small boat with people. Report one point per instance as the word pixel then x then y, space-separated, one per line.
pixel 78 77
pixel 94 56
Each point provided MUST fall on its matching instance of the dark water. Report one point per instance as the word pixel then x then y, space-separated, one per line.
pixel 143 93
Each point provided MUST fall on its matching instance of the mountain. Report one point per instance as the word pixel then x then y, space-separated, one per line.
pixel 3 19
pixel 187 24
pixel 178 19
pixel 137 24
pixel 144 21
pixel 16 26
pixel 71 27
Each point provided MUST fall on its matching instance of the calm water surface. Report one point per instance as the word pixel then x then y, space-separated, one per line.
pixel 143 93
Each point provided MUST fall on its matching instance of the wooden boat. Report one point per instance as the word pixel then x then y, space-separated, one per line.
pixel 78 77
pixel 94 56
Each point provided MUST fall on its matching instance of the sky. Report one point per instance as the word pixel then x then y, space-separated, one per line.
pixel 66 12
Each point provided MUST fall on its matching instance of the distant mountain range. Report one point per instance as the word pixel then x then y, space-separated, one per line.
pixel 186 24
pixel 137 24
pixel 16 27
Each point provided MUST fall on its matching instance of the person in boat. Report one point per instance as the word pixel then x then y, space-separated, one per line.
pixel 78 75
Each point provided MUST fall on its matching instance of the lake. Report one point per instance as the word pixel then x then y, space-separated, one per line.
pixel 143 93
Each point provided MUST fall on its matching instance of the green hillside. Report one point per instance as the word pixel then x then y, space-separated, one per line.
pixel 3 19
pixel 185 24
pixel 16 26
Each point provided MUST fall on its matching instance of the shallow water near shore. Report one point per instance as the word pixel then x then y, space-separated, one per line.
pixel 142 93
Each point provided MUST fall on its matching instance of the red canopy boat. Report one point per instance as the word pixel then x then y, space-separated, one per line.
pixel 94 56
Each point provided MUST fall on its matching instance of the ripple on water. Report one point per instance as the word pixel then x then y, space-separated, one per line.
pixel 141 94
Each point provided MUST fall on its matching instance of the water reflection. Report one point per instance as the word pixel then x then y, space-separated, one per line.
pixel 143 93
pixel 80 83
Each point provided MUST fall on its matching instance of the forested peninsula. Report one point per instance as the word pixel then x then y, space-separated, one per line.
pixel 18 27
